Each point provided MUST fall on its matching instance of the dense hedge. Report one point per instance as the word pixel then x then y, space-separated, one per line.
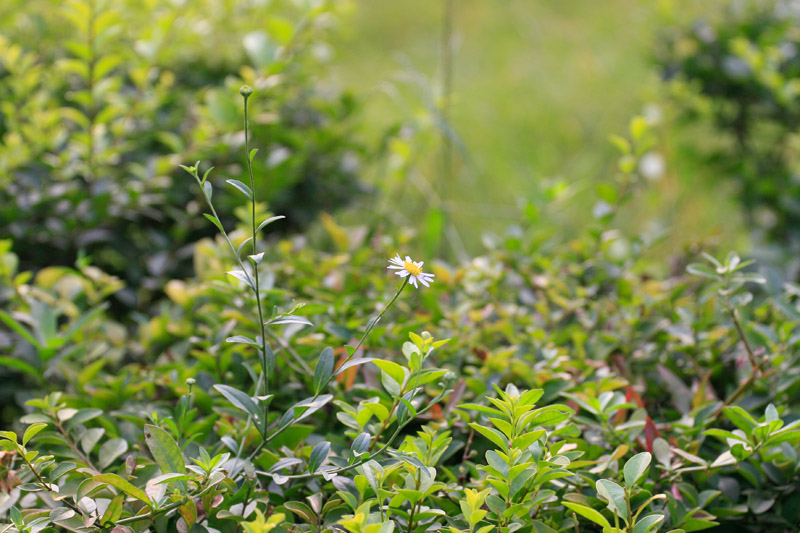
pixel 546 385
pixel 101 100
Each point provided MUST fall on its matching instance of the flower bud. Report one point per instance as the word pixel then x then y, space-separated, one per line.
pixel 246 90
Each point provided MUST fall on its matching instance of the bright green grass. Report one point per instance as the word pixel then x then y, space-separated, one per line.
pixel 539 86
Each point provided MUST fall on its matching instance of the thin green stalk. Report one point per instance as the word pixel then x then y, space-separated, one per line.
pixel 246 91
pixel 370 326
pixel 193 171
pixel 395 404
pixel 628 504
pixel 380 315
pixel 416 506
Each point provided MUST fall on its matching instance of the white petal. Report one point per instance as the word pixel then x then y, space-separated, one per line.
pixel 395 267
pixel 424 282
pixel 409 259
pixel 414 282
pixel 402 273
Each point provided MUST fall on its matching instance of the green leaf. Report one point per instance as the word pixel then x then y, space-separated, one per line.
pixel 90 438
pixel 360 444
pixel 636 467
pixel 84 415
pixel 697 524
pixel 614 495
pixel 771 414
pixel 243 277
pixel 405 409
pixel 124 486
pixel 702 270
pixel 302 510
pixel 588 512
pixel 724 435
pixel 242 401
pixel 393 370
pixel 352 363
pixel 647 523
pixel 110 450
pixel 31 432
pixel 113 511
pixel 18 364
pixel 214 221
pixel 485 409
pixel 324 369
pixel 492 434
pixel 164 450
pixel 84 319
pixel 268 222
pixel 289 319
pixel 740 418
pixel 61 469
pixel 188 512
pixel 242 187
pixel 19 328
pixel 241 339
pixel 318 456
pixel 785 436
pixel 301 410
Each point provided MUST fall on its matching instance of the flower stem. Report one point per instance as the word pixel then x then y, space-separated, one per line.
pixel 371 325
pixel 377 319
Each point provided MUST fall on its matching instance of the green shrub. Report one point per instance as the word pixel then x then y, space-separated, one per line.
pixel 291 389
pixel 740 74
pixel 101 101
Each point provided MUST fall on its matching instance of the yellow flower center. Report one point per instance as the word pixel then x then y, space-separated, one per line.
pixel 412 269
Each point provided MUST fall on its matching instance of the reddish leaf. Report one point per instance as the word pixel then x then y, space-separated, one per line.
pixel 650 433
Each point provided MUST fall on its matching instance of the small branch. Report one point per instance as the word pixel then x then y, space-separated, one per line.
pixel 167 509
pixel 750 354
pixel 46 486
pixel 755 368
pixel 74 448
pixel 464 457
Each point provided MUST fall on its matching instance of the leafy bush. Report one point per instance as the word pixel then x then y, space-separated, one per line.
pixel 292 389
pixel 741 74
pixel 101 101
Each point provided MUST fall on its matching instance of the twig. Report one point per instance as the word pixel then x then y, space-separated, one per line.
pixel 74 448
pixel 46 486
pixel 755 368
pixel 464 457
pixel 750 354
pixel 154 513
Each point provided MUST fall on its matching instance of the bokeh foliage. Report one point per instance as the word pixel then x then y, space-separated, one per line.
pixel 273 376
pixel 102 100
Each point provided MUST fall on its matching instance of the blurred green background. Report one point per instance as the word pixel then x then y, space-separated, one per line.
pixel 538 87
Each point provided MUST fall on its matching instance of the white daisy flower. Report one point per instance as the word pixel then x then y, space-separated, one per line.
pixel 412 269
